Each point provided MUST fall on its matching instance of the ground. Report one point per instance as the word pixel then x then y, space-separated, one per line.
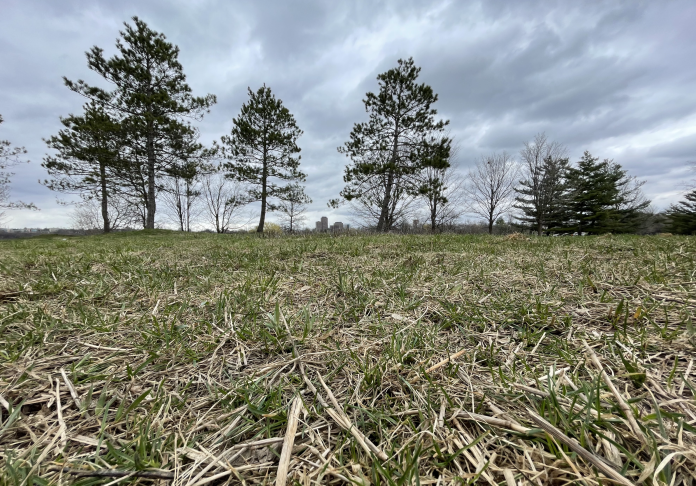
pixel 151 356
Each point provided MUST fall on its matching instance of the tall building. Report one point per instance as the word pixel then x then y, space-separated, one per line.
pixel 324 223
pixel 318 226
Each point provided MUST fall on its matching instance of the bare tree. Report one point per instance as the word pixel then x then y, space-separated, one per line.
pixel 87 215
pixel 540 191
pixel 691 184
pixel 490 187
pixel 9 157
pixel 447 207
pixel 292 207
pixel 181 195
pixel 223 202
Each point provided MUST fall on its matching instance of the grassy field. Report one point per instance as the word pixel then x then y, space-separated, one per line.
pixel 204 359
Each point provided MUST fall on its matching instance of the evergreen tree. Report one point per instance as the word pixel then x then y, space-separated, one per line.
pixel 152 102
pixel 682 216
pixel 602 197
pixel 541 192
pixel 88 153
pixel 387 152
pixel 554 192
pixel 262 149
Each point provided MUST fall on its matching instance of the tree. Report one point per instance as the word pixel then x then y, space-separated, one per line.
pixel 368 206
pixel 602 197
pixel 490 187
pixel 181 193
pixel 293 206
pixel 387 152
pixel 682 216
pixel 9 157
pixel 442 189
pixel 88 151
pixel 222 200
pixel 261 149
pixel 152 102
pixel 540 194
pixel 87 215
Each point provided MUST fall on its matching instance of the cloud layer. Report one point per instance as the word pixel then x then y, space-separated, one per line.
pixel 615 78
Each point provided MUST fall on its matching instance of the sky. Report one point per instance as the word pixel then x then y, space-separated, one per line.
pixel 616 78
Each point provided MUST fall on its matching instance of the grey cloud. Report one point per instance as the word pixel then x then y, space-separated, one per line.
pixel 680 148
pixel 611 77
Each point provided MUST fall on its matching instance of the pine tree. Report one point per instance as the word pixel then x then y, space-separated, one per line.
pixel 88 152
pixel 554 192
pixel 262 148
pixel 602 197
pixel 387 151
pixel 152 102
pixel 682 216
pixel 541 192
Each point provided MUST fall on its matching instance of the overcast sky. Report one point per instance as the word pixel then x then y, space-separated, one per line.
pixel 616 78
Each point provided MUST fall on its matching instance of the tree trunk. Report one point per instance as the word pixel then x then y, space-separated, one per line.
pixel 264 177
pixel 151 204
pixel 104 198
pixel 382 225
pixel 539 227
pixel 180 209
pixel 490 226
pixel 433 217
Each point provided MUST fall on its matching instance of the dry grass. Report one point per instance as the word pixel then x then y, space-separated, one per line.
pixel 190 359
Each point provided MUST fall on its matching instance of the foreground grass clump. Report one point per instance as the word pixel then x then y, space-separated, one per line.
pixel 163 356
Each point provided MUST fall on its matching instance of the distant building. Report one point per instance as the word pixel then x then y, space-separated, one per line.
pixel 323 226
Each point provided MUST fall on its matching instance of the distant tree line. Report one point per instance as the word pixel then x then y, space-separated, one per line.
pixel 134 152
pixel 402 155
